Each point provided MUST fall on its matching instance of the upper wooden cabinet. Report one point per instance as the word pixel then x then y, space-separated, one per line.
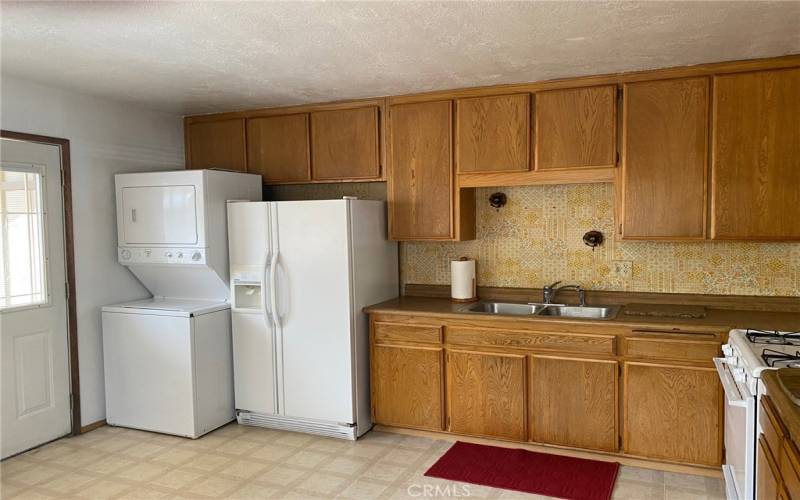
pixel 664 151
pixel 576 128
pixel 278 148
pixel 215 144
pixel 423 201
pixel 755 174
pixel 493 133
pixel 344 144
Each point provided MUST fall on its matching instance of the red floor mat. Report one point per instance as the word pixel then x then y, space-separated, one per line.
pixel 528 471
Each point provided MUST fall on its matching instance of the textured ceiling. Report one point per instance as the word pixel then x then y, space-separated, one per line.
pixel 208 56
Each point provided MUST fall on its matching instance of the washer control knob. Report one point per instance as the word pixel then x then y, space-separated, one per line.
pixel 126 254
pixel 180 255
pixel 168 255
pixel 196 256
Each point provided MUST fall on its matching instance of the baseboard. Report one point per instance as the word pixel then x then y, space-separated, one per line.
pixel 557 450
pixel 92 426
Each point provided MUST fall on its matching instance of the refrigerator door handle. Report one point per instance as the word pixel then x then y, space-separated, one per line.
pixel 276 317
pixel 267 290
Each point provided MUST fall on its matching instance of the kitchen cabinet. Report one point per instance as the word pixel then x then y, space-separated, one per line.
pixel 768 477
pixel 345 144
pixel 573 402
pixel 576 128
pixel 407 386
pixel 790 469
pixel 664 151
pixel 486 394
pixel 755 166
pixel 424 203
pixel 215 144
pixel 567 384
pixel 278 148
pixel 493 133
pixel 672 412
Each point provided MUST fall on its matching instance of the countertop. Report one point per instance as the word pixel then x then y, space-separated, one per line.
pixel 723 319
pixel 788 410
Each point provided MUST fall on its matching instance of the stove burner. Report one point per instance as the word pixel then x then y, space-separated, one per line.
pixel 773 337
pixel 777 359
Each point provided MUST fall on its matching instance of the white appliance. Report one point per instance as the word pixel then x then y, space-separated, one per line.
pixel 747 354
pixel 168 359
pixel 301 273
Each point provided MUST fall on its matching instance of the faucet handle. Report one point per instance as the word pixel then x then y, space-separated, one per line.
pixel 550 287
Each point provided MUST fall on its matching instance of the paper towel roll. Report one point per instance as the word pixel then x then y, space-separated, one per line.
pixel 462 280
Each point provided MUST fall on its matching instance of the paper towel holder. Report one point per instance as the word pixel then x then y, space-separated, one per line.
pixel 474 297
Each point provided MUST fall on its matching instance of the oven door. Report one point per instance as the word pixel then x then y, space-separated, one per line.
pixel 740 435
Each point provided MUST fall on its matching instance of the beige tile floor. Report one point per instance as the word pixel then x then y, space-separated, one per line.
pixel 239 462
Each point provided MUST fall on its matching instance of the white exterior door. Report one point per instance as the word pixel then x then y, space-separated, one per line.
pixel 33 305
pixel 313 301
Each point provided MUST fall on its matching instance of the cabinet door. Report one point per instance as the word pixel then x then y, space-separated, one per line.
pixel 664 151
pixel 672 413
pixel 421 176
pixel 218 144
pixel 407 386
pixel 278 149
pixel 493 133
pixel 573 402
pixel 344 144
pixel 755 170
pixel 576 128
pixel 486 394
pixel 767 476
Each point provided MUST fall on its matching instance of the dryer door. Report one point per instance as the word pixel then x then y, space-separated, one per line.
pixel 159 215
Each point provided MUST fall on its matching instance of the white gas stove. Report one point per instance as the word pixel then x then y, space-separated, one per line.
pixel 747 354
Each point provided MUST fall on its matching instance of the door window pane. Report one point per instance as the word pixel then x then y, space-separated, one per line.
pixel 22 249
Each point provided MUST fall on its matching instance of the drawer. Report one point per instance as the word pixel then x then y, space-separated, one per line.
pixel 670 348
pixel 395 332
pixel 488 337
pixel 774 432
pixel 790 469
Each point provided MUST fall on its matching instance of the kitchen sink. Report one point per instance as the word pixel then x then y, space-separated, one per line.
pixel 507 308
pixel 587 312
pixel 552 310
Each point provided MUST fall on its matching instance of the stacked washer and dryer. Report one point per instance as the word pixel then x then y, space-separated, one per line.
pixel 168 359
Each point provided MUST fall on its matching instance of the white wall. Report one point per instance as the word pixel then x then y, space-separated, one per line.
pixel 106 138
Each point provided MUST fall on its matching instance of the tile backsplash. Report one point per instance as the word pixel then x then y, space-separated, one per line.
pixel 536 239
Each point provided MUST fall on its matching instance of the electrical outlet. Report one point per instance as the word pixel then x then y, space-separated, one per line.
pixel 623 268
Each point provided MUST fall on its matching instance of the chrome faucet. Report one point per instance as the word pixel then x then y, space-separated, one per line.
pixel 549 293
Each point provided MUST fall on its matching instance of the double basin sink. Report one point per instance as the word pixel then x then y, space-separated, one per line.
pixel 546 310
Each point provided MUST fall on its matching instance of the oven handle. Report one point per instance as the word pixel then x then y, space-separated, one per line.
pixel 732 393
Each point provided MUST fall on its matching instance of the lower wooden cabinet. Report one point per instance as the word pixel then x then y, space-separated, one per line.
pixel 524 383
pixel 486 394
pixel 672 412
pixel 573 402
pixel 407 386
pixel 768 478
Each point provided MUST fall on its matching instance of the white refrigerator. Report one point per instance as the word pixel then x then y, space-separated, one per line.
pixel 301 272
